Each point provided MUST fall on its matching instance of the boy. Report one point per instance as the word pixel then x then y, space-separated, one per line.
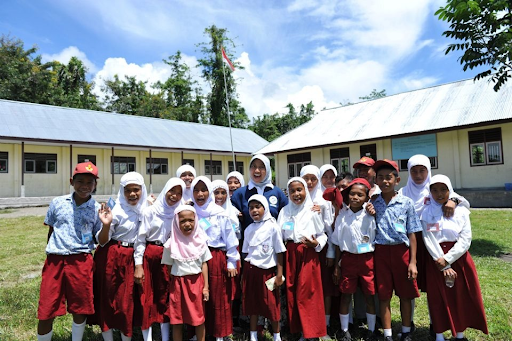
pixel 67 273
pixel 395 249
pixel 364 168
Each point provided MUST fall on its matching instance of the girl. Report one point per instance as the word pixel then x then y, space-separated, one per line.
pixel 235 180
pixel 303 232
pixel 220 193
pixel 264 247
pixel 117 299
pixel 222 267
pixel 311 175
pixel 328 174
pixel 453 305
pixel 186 253
pixel 149 272
pixel 187 173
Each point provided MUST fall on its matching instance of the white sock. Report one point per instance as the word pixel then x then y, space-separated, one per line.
pixel 165 331
pixel 460 335
pixel 371 319
pixel 147 334
pixel 406 329
pixel 254 335
pixel 344 322
pixel 350 314
pixel 388 332
pixel 125 338
pixel 108 335
pixel 439 337
pixel 45 337
pixel 222 339
pixel 277 336
pixel 77 331
pixel 413 305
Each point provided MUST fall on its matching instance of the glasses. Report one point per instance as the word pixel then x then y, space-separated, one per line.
pixel 256 167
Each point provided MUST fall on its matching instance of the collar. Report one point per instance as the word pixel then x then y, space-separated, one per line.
pixel 88 203
pixel 251 186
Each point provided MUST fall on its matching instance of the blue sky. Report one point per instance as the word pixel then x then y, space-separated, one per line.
pixel 293 51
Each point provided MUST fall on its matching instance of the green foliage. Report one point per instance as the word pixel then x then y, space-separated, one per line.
pixel 374 95
pixel 485 31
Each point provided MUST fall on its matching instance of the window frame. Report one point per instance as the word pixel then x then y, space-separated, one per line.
pixel 159 162
pixel 217 167
pixel 239 166
pixel 129 162
pixel 40 163
pixel 402 163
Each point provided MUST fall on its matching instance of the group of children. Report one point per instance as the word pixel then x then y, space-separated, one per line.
pixel 202 244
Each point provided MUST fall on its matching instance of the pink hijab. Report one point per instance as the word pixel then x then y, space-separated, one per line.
pixel 186 248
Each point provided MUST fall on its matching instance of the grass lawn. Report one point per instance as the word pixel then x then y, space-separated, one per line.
pixel 23 240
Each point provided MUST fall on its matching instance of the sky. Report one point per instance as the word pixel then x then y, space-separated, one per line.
pixel 328 52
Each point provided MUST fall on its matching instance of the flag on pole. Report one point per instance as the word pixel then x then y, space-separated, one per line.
pixel 226 59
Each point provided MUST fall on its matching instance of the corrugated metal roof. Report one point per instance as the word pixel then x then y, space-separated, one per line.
pixel 44 122
pixel 437 108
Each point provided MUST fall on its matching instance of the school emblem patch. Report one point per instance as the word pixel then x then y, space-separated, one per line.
pixel 273 200
pixel 265 248
pixel 88 168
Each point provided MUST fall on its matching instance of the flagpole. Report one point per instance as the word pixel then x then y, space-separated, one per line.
pixel 229 114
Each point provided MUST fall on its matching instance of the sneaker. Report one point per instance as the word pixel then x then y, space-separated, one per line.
pixel 388 338
pixel 372 336
pixel 193 338
pixel 406 337
pixel 343 336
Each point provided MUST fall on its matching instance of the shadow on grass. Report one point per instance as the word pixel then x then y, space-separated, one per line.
pixel 485 248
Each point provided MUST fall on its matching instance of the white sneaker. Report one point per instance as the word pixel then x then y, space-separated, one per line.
pixel 194 338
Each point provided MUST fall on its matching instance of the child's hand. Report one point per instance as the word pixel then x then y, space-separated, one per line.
pixel 336 275
pixel 151 199
pixel 316 208
pixel 370 209
pixel 441 263
pixel 310 242
pixel 329 262
pixel 139 275
pixel 279 281
pixel 450 273
pixel 105 214
pixel 412 271
pixel 206 294
pixel 449 208
pixel 232 272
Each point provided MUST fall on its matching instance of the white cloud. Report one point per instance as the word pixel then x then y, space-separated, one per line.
pixel 66 54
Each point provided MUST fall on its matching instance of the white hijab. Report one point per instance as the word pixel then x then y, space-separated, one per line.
pixel 209 208
pixel 187 193
pixel 294 210
pixel 260 187
pixel 418 193
pixel 316 192
pixel 122 207
pixel 231 211
pixel 255 238
pixel 237 175
pixel 160 207
pixel 324 169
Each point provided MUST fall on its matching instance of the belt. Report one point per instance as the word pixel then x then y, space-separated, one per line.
pixel 154 242
pixel 123 244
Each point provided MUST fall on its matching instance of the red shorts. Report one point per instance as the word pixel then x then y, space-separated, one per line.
pixel 391 272
pixel 66 278
pixel 357 268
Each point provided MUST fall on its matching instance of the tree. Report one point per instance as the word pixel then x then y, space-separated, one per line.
pixel 212 72
pixel 485 29
pixel 374 95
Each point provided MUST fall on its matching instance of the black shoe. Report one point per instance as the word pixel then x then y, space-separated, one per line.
pixel 413 327
pixel 431 331
pixel 343 336
pixel 406 337
pixel 331 331
pixel 388 338
pixel 373 336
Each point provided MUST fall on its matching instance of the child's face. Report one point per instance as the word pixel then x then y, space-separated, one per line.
pixel 173 195
pixel 132 193
pixel 201 193
pixel 366 172
pixel 233 185
pixel 440 193
pixel 328 179
pixel 258 171
pixel 256 210
pixel 187 220
pixel 297 192
pixel 357 196
pixel 419 174
pixel 220 196
pixel 84 185
pixel 188 177
pixel 343 184
pixel 386 180
pixel 311 181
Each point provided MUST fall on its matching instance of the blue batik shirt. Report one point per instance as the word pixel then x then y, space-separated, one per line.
pixel 395 220
pixel 73 226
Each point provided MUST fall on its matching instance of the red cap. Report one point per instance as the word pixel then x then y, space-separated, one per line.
pixel 333 195
pixel 346 190
pixel 385 162
pixel 86 168
pixel 364 161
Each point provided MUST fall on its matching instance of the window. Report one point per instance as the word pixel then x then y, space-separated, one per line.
pixel 369 150
pixel 485 147
pixel 122 164
pixel 296 162
pixel 402 164
pixel 340 159
pixel 4 158
pixel 40 163
pixel 239 166
pixel 216 167
pixel 87 158
pixel 188 162
pixel 160 165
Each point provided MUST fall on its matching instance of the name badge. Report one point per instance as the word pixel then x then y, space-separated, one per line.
pixel 400 225
pixel 234 227
pixel 288 226
pixel 426 201
pixel 111 203
pixel 87 233
pixel 363 248
pixel 433 227
pixel 204 223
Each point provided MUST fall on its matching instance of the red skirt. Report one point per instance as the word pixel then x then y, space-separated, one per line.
pixel 304 291
pixel 155 296
pixel 219 322
pixel 461 306
pixel 256 298
pixel 328 286
pixel 186 304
